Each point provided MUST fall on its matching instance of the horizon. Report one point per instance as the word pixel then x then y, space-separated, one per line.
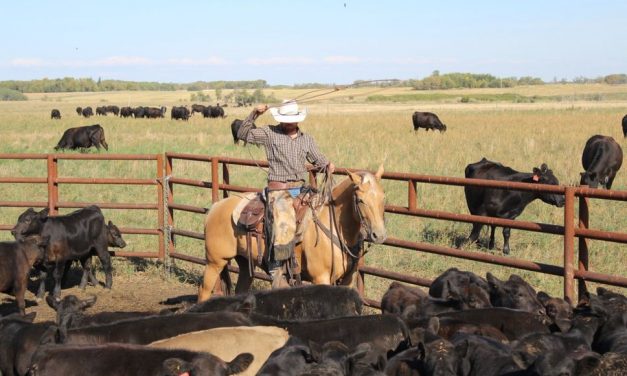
pixel 326 42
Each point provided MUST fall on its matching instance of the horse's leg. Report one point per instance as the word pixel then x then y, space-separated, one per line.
pixel 220 244
pixel 212 271
pixel 322 279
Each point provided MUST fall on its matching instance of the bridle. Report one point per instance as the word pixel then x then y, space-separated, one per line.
pixel 365 228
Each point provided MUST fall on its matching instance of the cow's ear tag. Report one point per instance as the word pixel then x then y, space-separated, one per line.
pixel 536 178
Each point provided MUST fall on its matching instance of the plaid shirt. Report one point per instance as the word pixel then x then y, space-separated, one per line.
pixel 286 156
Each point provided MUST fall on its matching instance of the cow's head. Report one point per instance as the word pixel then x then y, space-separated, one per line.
pixel 558 310
pixel 592 179
pixel 97 136
pixel 29 223
pixel 544 175
pixel 514 293
pixel 114 236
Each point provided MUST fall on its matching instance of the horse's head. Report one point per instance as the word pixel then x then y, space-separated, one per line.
pixel 369 204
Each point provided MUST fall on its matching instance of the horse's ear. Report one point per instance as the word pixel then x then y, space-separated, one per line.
pixel 379 173
pixel 354 177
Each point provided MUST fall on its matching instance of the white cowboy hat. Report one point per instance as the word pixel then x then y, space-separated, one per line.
pixel 288 112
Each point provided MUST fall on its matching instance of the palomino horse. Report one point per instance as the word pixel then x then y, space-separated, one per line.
pixel 356 213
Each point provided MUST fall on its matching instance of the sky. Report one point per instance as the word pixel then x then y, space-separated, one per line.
pixel 295 42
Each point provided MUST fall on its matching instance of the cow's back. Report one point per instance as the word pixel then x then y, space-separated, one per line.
pixel 601 150
pixel 625 126
pixel 79 230
pixel 484 169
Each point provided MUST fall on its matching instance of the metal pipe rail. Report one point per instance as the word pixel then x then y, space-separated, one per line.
pixel 165 181
pixel 53 203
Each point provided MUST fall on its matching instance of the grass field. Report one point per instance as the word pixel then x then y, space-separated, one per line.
pixel 354 129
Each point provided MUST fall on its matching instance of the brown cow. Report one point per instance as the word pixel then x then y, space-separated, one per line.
pixel 16 260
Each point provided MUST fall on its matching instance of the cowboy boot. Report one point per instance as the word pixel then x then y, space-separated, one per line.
pixel 278 278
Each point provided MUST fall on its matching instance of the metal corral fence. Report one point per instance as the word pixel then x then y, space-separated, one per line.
pixel 569 230
pixel 54 178
pixel 165 184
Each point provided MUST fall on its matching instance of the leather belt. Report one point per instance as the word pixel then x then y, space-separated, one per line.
pixel 276 185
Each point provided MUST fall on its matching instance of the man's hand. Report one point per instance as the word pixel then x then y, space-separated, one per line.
pixel 261 108
pixel 330 168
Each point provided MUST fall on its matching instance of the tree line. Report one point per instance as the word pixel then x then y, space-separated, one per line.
pixel 70 84
pixel 435 81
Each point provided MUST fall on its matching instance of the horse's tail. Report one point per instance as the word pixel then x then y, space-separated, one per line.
pixel 225 278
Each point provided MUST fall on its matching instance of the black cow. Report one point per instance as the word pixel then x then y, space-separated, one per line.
pixel 399 297
pixel 602 158
pixel 213 112
pixel 139 112
pixel 71 313
pixel 468 287
pixel 20 339
pixel 154 112
pixel 486 356
pixel 558 310
pixel 427 120
pixel 387 331
pixel 179 113
pixel 16 260
pixel 119 360
pixel 126 112
pixel 299 303
pixel 82 138
pixel 145 330
pixel 235 125
pixel 101 110
pixel 87 112
pixel 113 109
pixel 55 114
pixel 198 108
pixel 513 323
pixel 79 111
pixel 75 236
pixel 503 203
pixel 625 126
pixel 515 293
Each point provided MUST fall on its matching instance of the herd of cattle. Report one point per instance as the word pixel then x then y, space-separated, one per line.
pixel 177 112
pixel 464 325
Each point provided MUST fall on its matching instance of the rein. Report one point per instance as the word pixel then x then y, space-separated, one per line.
pixel 307 97
pixel 353 251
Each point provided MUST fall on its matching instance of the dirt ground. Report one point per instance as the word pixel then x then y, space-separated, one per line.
pixel 135 288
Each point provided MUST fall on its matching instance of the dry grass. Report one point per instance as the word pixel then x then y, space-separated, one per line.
pixel 352 133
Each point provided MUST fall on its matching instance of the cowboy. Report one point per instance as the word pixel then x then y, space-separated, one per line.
pixel 287 150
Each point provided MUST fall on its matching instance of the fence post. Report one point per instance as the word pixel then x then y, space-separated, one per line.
pixel 170 212
pixel 215 180
pixel 161 211
pixel 584 222
pixel 411 195
pixel 225 178
pixel 569 251
pixel 53 187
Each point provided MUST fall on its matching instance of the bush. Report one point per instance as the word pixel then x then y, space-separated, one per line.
pixel 200 97
pixel 11 95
